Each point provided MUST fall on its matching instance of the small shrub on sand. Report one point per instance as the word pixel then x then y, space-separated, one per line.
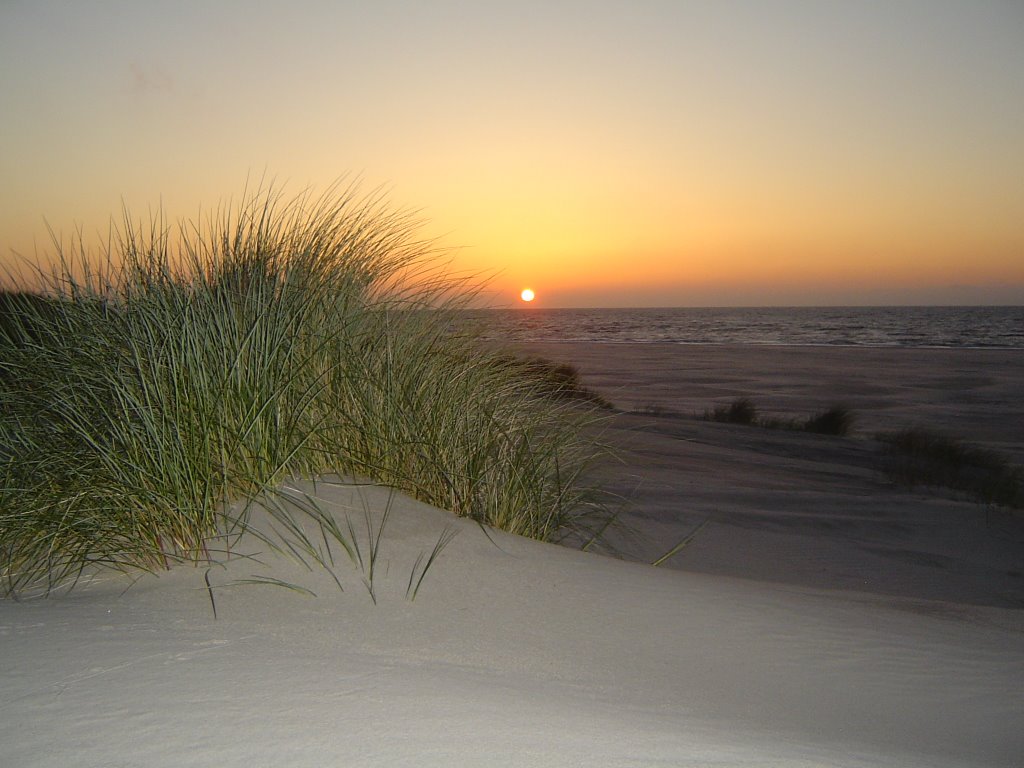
pixel 837 420
pixel 186 371
pixel 919 456
pixel 740 411
pixel 559 381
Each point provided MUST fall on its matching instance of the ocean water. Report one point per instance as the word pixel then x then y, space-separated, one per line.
pixel 977 327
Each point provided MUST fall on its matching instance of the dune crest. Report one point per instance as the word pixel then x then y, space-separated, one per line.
pixel 514 653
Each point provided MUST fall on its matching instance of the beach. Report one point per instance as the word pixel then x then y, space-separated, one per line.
pixel 821 615
pixel 807 509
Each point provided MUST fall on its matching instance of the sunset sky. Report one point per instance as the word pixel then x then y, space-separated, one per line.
pixel 767 152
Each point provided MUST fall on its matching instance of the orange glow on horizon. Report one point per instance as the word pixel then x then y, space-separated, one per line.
pixel 646 188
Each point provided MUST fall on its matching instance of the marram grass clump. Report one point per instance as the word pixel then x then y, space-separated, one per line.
pixel 920 456
pixel 837 420
pixel 739 411
pixel 559 381
pixel 182 371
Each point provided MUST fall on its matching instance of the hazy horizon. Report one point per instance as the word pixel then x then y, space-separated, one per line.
pixel 700 153
pixel 519 307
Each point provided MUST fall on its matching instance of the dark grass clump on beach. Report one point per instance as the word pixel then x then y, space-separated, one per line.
pixel 740 411
pixel 558 381
pixel 185 372
pixel 837 420
pixel 919 456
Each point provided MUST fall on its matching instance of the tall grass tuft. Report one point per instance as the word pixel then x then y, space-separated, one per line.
pixel 739 411
pixel 837 420
pixel 559 381
pixel 187 369
pixel 919 456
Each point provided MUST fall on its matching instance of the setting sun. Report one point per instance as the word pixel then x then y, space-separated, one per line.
pixel 645 189
pixel 527 295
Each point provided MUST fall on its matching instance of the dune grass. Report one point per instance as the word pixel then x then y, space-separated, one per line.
pixel 920 456
pixel 183 370
pixel 559 381
pixel 836 420
pixel 739 411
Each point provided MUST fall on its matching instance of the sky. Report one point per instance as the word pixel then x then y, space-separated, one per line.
pixel 642 153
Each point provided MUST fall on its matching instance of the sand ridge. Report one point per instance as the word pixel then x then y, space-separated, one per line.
pixel 515 653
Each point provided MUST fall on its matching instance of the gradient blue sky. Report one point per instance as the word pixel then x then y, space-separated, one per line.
pixel 605 154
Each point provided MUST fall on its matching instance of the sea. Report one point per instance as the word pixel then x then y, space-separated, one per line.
pixel 937 327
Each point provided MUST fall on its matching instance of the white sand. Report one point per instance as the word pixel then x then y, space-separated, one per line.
pixel 517 653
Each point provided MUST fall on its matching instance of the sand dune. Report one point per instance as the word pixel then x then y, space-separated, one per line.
pixel 813 622
pixel 805 509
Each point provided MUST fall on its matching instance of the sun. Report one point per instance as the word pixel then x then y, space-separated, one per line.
pixel 527 295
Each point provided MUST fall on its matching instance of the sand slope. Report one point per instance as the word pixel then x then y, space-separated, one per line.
pixel 515 653
pixel 809 510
